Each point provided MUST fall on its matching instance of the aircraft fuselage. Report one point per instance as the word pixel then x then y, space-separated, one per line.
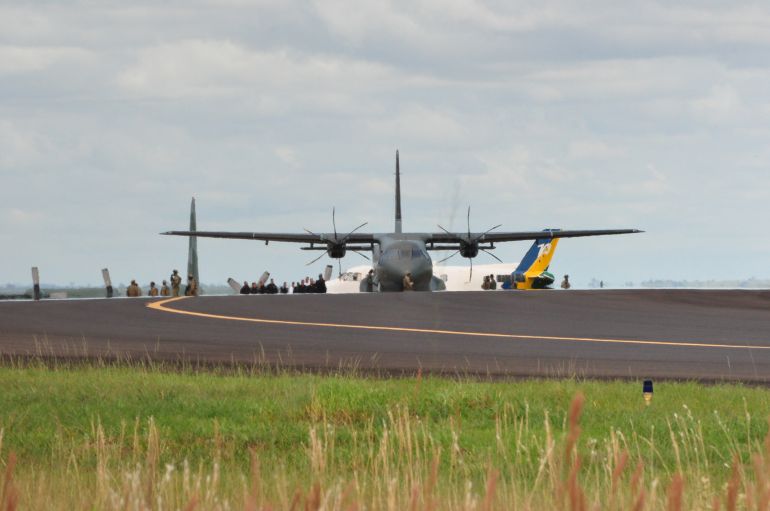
pixel 401 254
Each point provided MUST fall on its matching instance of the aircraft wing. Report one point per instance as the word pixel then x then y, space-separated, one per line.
pixel 279 236
pixel 497 237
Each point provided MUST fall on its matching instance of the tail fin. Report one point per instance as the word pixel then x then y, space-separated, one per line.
pixel 532 270
pixel 398 196
pixel 192 249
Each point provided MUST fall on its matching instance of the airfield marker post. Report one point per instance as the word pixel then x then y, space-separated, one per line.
pixel 107 282
pixel 36 282
pixel 647 392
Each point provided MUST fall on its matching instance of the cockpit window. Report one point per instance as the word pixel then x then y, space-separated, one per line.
pixel 403 254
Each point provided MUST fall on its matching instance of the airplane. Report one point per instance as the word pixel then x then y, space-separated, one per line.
pixel 530 273
pixel 396 254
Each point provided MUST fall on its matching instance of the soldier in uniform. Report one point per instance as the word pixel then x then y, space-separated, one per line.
pixel 408 282
pixel 492 283
pixel 565 283
pixel 192 287
pixel 176 282
pixel 245 290
pixel 153 289
pixel 164 290
pixel 370 281
pixel 133 290
pixel 271 289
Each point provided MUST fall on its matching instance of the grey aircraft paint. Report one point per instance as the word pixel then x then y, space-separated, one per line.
pixel 192 250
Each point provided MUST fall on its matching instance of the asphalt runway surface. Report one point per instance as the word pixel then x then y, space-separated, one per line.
pixel 679 334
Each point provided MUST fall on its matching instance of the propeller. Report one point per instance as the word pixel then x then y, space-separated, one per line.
pixel 337 244
pixel 469 246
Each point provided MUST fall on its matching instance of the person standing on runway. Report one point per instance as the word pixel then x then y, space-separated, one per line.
pixel 176 283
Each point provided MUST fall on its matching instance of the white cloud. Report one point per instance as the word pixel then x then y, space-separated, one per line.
pixel 209 68
pixel 625 79
pixel 593 150
pixel 21 146
pixel 288 155
pixel 419 124
pixel 22 217
pixel 30 59
pixel 722 104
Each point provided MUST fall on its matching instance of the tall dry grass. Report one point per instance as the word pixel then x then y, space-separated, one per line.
pixel 397 465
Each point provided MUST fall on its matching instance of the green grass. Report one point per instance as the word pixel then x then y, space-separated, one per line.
pixel 79 422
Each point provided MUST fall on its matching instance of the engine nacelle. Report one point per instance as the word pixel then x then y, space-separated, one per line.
pixel 337 251
pixel 469 250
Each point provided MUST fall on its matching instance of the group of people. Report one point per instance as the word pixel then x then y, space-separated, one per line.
pixel 307 285
pixel 489 284
pixel 175 289
pixel 263 289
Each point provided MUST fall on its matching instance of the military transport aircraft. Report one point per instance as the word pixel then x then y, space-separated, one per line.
pixel 532 272
pixel 397 253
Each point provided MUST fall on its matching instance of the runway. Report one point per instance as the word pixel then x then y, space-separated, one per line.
pixel 681 334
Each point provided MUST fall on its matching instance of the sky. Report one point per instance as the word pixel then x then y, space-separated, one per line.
pixel 598 114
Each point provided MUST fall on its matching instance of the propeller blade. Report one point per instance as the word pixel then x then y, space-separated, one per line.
pixel 477 238
pixel 490 253
pixel 449 233
pixel 353 231
pixel 450 257
pixel 310 232
pixel 316 259
pixel 334 223
pixel 362 255
pixel 470 274
pixel 339 267
pixel 469 222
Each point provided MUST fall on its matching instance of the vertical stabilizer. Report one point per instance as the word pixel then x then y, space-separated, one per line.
pixel 398 196
pixel 192 253
pixel 532 272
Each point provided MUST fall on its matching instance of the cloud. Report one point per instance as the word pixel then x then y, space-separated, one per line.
pixel 593 150
pixel 419 124
pixel 21 217
pixel 722 104
pixel 288 155
pixel 30 59
pixel 617 79
pixel 21 146
pixel 206 69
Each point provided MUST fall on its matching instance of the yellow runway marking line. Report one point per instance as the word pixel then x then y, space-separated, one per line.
pixel 161 306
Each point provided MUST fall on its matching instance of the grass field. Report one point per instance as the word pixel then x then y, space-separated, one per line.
pixel 145 438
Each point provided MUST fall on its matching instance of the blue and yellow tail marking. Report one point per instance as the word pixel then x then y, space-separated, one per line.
pixel 532 270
